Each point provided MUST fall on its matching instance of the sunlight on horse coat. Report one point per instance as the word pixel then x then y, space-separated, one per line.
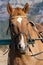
pixel 15 57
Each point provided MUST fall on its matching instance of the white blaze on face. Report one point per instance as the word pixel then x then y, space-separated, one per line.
pixel 22 42
pixel 19 19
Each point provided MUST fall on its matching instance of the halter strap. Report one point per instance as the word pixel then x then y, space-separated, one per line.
pixel 18 34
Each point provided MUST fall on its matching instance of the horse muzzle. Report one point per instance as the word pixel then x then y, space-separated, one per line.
pixel 22 49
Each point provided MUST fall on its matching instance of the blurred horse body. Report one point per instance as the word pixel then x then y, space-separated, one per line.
pixel 20 26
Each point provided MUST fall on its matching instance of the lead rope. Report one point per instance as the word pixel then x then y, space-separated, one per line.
pixel 6 51
pixel 34 55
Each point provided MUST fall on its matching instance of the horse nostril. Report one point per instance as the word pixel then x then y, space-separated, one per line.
pixel 19 46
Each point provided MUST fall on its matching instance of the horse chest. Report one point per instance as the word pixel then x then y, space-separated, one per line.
pixel 20 61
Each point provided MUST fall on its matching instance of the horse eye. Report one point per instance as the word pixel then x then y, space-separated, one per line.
pixel 18 29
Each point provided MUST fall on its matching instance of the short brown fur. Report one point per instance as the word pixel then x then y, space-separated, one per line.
pixel 14 57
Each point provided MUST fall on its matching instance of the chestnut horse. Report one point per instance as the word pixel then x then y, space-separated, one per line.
pixel 20 51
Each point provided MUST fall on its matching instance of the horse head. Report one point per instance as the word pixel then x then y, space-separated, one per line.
pixel 18 26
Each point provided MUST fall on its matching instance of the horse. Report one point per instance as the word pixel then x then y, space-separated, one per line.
pixel 22 52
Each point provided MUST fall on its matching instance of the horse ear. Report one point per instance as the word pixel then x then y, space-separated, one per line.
pixel 25 9
pixel 9 8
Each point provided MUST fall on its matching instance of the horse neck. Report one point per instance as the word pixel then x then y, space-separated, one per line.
pixel 16 59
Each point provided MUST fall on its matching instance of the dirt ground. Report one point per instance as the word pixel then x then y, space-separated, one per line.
pixel 3 58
